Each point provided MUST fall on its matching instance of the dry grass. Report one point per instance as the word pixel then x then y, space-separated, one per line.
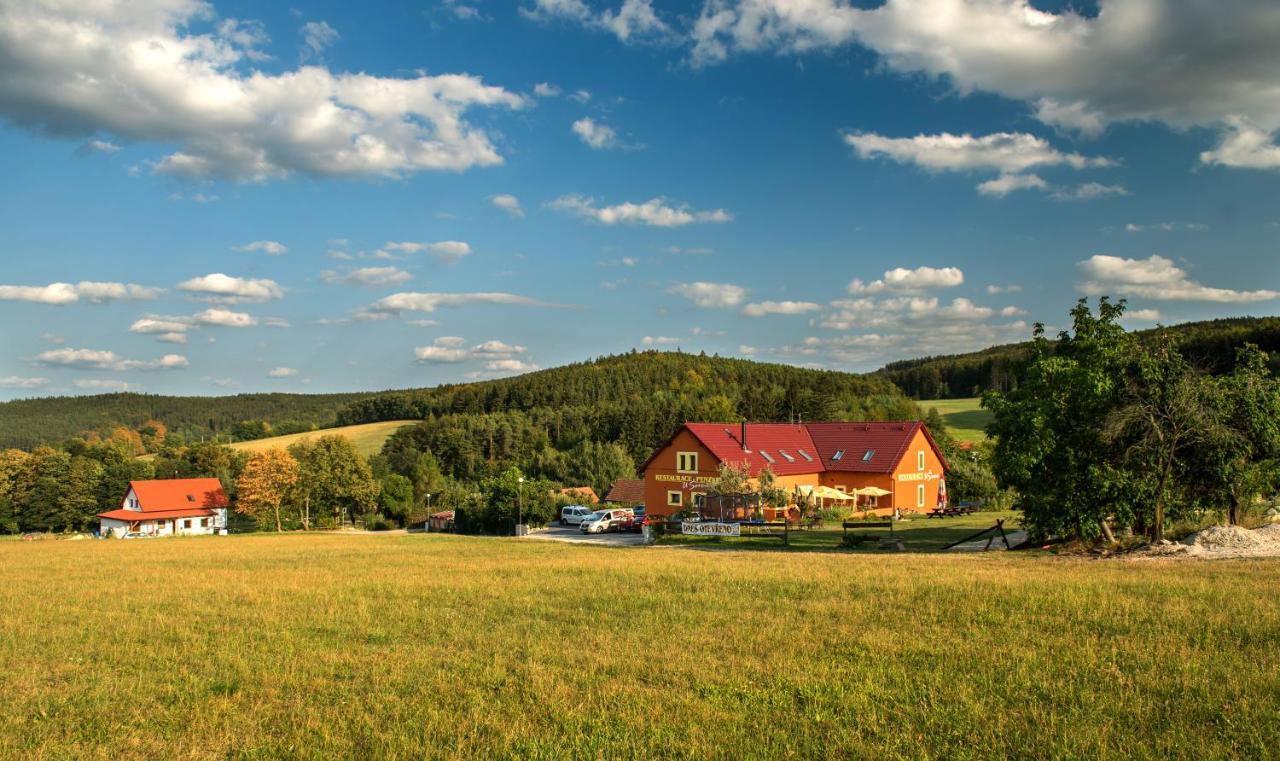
pixel 965 418
pixel 324 646
pixel 367 438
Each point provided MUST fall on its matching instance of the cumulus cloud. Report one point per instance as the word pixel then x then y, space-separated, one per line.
pixel 634 20
pixel 224 318
pixel 546 90
pixel 16 381
pixel 711 295
pixel 452 349
pixel 655 212
pixel 994 289
pixel 224 289
pixel 1184 64
pixel 95 359
pixel 270 247
pixel 763 308
pixel 903 280
pixel 445 250
pixel 143 72
pixel 1009 153
pixel 68 293
pixel 660 341
pixel 371 277
pixel 1156 278
pixel 282 372
pixel 596 134
pixel 429 302
pixel 1143 315
pixel 508 203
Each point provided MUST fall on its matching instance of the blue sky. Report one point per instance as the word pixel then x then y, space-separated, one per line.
pixel 227 197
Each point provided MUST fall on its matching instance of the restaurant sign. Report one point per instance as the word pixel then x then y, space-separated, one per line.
pixel 925 476
pixel 699 479
pixel 707 528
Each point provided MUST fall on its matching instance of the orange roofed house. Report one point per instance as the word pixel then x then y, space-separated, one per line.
pixel 899 457
pixel 169 507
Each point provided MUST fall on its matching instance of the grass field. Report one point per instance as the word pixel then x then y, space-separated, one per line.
pixel 368 438
pixel 332 646
pixel 965 418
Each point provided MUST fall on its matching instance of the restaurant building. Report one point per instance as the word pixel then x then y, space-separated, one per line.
pixel 898 460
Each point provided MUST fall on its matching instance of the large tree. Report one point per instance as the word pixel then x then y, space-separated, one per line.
pixel 265 484
pixel 335 477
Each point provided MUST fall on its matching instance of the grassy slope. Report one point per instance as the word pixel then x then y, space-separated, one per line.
pixel 377 646
pixel 367 438
pixel 965 418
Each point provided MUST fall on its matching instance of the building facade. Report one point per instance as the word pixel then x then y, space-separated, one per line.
pixel 900 458
pixel 180 506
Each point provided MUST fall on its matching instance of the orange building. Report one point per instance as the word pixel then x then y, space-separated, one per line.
pixel 900 458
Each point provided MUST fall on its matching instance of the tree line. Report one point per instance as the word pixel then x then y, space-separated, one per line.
pixel 1114 430
pixel 1210 345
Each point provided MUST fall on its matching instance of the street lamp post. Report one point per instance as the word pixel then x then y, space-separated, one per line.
pixel 428 523
pixel 519 504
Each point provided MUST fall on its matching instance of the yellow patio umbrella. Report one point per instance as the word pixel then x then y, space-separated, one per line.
pixel 872 491
pixel 826 492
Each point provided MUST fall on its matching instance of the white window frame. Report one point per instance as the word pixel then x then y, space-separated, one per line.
pixel 920 495
pixel 681 462
pixel 920 460
pixel 675 499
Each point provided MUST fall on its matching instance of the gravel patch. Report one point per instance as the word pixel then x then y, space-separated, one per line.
pixel 1221 542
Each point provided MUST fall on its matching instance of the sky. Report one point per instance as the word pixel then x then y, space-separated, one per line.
pixel 227 197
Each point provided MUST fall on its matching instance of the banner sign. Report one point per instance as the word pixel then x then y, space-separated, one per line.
pixel 699 479
pixel 926 476
pixel 697 528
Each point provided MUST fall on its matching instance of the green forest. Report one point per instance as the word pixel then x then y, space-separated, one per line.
pixel 1209 345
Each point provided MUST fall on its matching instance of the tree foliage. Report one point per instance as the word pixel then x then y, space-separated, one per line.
pixel 266 484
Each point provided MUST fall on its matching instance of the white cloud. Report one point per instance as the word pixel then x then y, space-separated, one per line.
pixel 452 349
pixel 660 341
pixel 316 37
pixel 994 289
pixel 1007 152
pixel 101 384
pixel 371 277
pixel 1156 278
pixel 580 96
pixel 509 366
pixel 95 359
pixel 15 381
pixel 1144 315
pixel 67 293
pixel 1184 64
pixel 655 212
pixel 633 20
pixel 1089 191
pixel 546 90
pixel 224 318
pixel 159 324
pixel 282 372
pixel 429 302
pixel 99 146
pixel 445 250
pixel 224 289
pixel 140 71
pixel 903 280
pixel 763 308
pixel 711 295
pixel 1007 183
pixel 595 134
pixel 747 350
pixel 508 203
pixel 1012 312
pixel 270 247
pixel 1167 227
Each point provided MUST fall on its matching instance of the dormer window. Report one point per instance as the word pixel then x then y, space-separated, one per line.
pixel 867 457
pixel 838 455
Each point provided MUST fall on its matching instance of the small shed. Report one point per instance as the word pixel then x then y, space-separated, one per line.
pixel 441 521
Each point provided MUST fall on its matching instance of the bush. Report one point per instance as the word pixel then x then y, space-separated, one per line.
pixel 377 522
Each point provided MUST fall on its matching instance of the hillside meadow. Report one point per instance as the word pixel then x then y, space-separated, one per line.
pixel 965 418
pixel 367 438
pixel 411 646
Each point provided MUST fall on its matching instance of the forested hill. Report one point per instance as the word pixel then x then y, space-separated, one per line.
pixel 1210 345
pixel 641 392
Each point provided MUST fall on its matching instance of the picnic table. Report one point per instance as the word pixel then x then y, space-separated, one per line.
pixel 961 508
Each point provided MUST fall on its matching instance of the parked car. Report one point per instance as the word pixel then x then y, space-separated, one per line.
pixel 573 515
pixel 605 520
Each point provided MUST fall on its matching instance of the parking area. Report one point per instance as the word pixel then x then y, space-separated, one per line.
pixel 558 533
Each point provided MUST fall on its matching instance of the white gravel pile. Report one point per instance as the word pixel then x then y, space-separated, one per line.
pixel 1221 542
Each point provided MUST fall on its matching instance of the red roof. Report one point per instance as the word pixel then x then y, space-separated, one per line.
pixel 179 494
pixel 626 490
pixel 766 445
pixel 155 515
pixel 784 446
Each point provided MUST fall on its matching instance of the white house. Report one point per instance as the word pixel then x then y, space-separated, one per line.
pixel 169 507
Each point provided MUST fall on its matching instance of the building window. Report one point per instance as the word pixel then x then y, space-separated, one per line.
pixel 675 498
pixel 687 462
pixel 920 460
pixel 873 501
pixel 204 523
pixel 920 495
pixel 186 523
pixel 699 500
pixel 839 455
pixel 869 454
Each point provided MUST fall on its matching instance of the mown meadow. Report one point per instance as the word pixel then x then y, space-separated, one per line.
pixel 411 646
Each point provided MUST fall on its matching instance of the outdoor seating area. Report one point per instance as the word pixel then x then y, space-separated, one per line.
pixel 948 511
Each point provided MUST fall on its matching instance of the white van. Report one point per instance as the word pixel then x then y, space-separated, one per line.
pixel 606 520
pixel 573 515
